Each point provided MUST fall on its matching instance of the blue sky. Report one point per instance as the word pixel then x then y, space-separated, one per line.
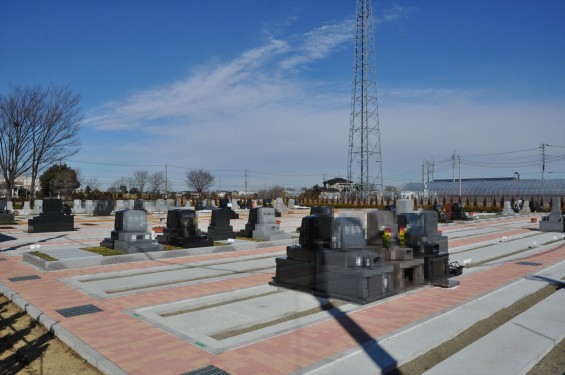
pixel 264 85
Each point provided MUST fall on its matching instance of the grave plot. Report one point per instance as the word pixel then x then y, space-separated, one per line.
pixel 121 283
pixel 224 321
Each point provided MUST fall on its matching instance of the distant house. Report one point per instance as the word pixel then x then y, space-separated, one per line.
pixel 337 184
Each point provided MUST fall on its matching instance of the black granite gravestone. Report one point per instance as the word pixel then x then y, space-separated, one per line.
pixel 5 216
pixel 103 208
pixel 55 217
pixel 220 228
pixel 138 204
pixel 458 212
pixel 226 203
pixel 250 225
pixel 182 229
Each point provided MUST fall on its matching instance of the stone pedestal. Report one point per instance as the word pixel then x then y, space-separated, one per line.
pixel 525 208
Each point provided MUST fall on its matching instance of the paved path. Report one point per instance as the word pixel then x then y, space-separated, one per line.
pixel 114 337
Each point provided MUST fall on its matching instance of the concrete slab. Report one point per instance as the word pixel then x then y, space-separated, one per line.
pixel 105 285
pixel 520 343
pixel 417 339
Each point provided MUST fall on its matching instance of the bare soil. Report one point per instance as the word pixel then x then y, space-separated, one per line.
pixel 26 347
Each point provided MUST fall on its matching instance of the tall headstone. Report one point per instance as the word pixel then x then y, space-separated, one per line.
pixel 89 206
pixel 507 210
pixel 404 206
pixel 103 208
pixel 525 207
pixel 280 207
pixel 266 228
pixel 182 229
pixel 291 203
pixel 55 217
pixel 130 233
pixel 77 207
pixel 37 206
pixel 555 221
pixel 139 204
pixel 149 206
pixel 26 210
pixel 220 228
pixel 5 215
pixel 120 205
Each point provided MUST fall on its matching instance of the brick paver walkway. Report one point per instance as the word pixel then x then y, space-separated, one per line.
pixel 140 348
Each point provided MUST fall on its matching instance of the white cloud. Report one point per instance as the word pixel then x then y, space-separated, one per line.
pixel 256 113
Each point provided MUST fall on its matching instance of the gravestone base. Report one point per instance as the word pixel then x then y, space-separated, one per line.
pixel 48 222
pixel 552 223
pixel 269 232
pixel 6 218
pixel 218 233
pixel 54 218
pixel 132 242
pixel 295 274
pixel 407 274
pixel 186 242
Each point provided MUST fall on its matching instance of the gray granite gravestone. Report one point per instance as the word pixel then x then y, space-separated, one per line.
pixel 554 222
pixel 280 207
pixel 507 209
pixel 37 206
pixel 89 206
pixel 266 228
pixel 56 217
pixel 77 207
pixel 404 206
pixel 130 233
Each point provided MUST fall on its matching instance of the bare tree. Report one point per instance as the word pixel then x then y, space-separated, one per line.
pixel 199 180
pixel 40 126
pixel 140 179
pixel 90 182
pixel 122 184
pixel 157 183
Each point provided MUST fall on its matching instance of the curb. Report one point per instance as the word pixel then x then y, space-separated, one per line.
pixel 80 347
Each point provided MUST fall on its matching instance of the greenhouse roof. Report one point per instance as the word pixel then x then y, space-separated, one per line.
pixel 491 187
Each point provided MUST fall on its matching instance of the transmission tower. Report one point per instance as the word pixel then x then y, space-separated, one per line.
pixel 364 133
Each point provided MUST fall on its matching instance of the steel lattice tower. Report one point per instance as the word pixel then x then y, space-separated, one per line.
pixel 364 133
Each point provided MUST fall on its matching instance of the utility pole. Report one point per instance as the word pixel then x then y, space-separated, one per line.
pixel 166 180
pixel 459 157
pixel 543 146
pixel 245 183
pixel 364 132
pixel 453 163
